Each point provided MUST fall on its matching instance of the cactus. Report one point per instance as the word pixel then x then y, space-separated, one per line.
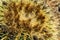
pixel 27 20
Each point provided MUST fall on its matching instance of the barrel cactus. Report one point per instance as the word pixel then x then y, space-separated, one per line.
pixel 27 20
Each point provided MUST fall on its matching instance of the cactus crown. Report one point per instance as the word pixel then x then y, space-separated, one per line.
pixel 26 20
